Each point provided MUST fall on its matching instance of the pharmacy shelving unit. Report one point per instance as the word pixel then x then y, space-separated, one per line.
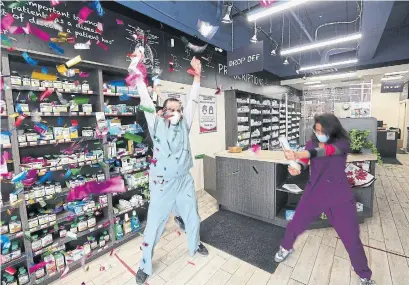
pixel 102 164
pixel 257 119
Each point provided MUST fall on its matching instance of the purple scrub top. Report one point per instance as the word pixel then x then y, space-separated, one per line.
pixel 331 187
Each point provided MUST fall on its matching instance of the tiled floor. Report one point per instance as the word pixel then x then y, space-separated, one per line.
pixel 319 257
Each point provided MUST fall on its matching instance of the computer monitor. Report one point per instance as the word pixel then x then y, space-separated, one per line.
pixel 380 124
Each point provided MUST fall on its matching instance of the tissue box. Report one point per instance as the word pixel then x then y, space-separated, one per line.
pixel 59 108
pixel 58 133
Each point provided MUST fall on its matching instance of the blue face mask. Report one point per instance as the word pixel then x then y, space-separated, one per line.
pixel 321 138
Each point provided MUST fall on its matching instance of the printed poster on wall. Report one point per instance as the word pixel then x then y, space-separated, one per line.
pixel 207 114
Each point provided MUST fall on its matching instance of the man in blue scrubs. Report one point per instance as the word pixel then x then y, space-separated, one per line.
pixel 170 182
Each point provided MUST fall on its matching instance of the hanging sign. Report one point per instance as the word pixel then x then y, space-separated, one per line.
pixel 244 60
pixel 392 86
pixel 207 114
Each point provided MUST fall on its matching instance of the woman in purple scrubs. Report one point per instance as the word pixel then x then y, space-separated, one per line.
pixel 328 192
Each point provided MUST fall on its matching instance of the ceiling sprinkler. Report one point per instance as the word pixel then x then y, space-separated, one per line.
pixel 286 62
pixel 273 52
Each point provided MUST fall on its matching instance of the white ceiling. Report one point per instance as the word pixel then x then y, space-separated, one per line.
pixel 366 75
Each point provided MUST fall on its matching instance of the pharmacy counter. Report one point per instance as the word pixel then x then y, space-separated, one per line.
pixel 251 184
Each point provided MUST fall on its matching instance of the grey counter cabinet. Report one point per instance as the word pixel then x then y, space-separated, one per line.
pixel 246 187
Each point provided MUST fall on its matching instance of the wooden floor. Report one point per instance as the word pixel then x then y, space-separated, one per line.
pixel 319 258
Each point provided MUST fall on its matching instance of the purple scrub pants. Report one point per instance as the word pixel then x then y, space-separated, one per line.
pixel 343 218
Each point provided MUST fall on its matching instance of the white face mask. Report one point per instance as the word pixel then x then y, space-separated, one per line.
pixel 175 118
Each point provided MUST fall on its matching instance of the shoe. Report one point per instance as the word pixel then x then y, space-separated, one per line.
pixel 141 277
pixel 282 254
pixel 179 221
pixel 365 281
pixel 202 250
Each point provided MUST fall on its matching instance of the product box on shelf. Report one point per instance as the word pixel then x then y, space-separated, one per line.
pixel 86 108
pixel 46 107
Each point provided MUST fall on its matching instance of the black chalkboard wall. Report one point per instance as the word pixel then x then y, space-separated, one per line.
pixel 119 40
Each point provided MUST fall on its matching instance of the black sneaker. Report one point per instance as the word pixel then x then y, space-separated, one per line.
pixel 180 222
pixel 141 277
pixel 202 250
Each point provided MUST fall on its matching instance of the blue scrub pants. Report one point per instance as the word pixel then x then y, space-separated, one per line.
pixel 166 194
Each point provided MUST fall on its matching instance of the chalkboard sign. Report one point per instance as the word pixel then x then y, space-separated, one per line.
pixel 120 35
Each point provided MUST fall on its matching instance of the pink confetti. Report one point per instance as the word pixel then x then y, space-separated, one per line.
pixel 65 272
pixel 100 28
pixel 52 16
pixel 112 252
pixel 46 93
pixel 31 29
pixel 7 21
pixel 34 268
pixel 83 14
pixel 102 45
pixel 178 233
pixel 189 262
pixel 255 148
pixel 119 22
pixel 84 74
pixel 101 268
pixel 218 90
pixel 54 2
pixel 19 120
pixel 145 244
pixel 16 30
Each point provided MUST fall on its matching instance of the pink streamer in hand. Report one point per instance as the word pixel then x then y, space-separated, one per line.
pixel 84 74
pixel 6 22
pixel 83 14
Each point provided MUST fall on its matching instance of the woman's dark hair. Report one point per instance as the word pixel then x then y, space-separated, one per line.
pixel 331 126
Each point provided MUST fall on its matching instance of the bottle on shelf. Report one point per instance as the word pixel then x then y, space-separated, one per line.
pixel 119 234
pixel 127 224
pixel 135 224
pixel 22 276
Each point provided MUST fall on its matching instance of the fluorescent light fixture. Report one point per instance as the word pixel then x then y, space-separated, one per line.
pixel 274 9
pixel 317 86
pixel 334 76
pixel 364 88
pixel 321 44
pixel 396 73
pixel 227 18
pixel 312 82
pixel 392 78
pixel 322 66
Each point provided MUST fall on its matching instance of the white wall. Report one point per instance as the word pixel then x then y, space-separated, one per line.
pixel 202 143
pixel 385 107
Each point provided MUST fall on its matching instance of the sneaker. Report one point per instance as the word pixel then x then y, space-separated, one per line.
pixel 282 254
pixel 202 250
pixel 365 281
pixel 179 221
pixel 141 277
